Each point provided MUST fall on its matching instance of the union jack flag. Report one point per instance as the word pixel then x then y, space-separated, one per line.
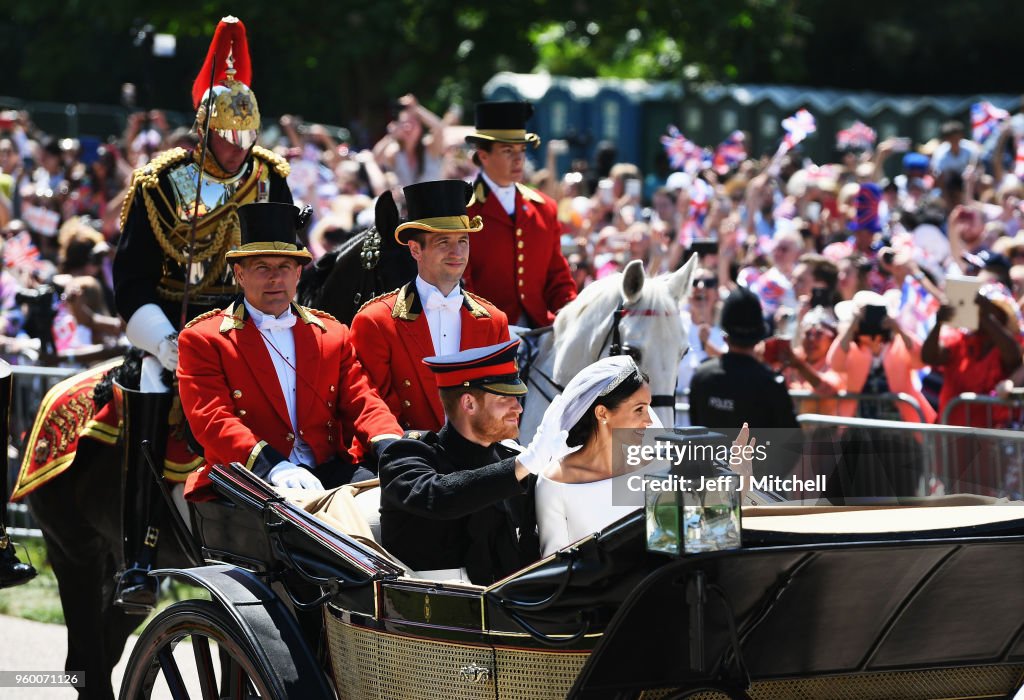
pixel 20 253
pixel 730 152
pixel 798 127
pixel 985 118
pixel 859 135
pixel 917 308
pixel 683 154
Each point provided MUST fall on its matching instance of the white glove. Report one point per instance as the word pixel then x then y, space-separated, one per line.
pixel 549 443
pixel 167 353
pixel 149 329
pixel 292 476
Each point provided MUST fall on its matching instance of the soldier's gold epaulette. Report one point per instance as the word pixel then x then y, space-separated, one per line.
pixel 202 317
pixel 379 297
pixel 281 166
pixel 148 176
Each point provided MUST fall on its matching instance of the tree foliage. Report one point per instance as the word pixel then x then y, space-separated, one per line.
pixel 346 62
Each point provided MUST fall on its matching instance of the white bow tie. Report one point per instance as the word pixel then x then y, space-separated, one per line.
pixel 269 323
pixel 436 301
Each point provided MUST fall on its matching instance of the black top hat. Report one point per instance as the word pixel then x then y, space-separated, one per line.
pixel 742 318
pixel 271 228
pixel 503 122
pixel 438 206
pixel 492 368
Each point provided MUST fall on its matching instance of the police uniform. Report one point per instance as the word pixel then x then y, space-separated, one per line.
pixel 517 260
pixel 236 409
pixel 733 389
pixel 393 333
pixel 448 502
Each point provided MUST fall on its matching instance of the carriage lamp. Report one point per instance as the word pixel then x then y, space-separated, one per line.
pixel 695 505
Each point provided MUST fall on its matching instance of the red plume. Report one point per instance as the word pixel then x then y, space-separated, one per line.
pixel 229 37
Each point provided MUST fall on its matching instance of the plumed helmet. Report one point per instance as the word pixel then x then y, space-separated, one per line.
pixel 234 114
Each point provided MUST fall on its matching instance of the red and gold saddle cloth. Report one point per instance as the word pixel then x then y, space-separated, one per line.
pixel 68 414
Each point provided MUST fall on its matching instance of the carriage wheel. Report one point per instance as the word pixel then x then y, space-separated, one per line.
pixel 220 657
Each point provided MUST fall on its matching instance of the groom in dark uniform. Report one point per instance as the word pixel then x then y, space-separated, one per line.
pixel 461 497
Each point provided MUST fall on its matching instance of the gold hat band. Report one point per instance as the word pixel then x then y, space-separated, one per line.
pixel 441 224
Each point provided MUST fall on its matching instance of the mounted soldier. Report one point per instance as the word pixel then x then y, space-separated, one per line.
pixel 178 223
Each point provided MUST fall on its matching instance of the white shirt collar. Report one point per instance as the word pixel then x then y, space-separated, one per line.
pixel 427 290
pixel 258 316
pixel 506 195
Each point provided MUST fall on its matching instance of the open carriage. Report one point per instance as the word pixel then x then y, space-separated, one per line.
pixel 868 601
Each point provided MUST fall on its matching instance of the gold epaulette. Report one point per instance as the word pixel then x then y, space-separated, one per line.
pixel 202 317
pixel 148 176
pixel 281 166
pixel 379 297
pixel 321 314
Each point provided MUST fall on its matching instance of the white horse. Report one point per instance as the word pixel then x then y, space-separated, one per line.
pixel 624 313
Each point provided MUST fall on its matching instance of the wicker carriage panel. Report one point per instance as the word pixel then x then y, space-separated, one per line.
pixel 970 682
pixel 369 664
pixel 537 675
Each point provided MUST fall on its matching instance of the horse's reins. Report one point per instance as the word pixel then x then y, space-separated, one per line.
pixel 613 340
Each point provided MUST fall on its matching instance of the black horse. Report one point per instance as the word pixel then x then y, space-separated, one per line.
pixel 78 511
pixel 369 263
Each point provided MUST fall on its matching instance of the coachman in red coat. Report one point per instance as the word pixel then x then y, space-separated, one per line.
pixel 430 315
pixel 517 260
pixel 271 384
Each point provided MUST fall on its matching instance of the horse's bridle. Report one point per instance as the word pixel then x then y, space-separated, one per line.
pixel 613 340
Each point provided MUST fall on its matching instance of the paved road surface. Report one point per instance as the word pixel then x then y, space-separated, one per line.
pixel 36 646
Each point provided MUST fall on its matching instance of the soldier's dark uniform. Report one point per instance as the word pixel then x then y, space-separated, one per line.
pixel 447 502
pixel 152 252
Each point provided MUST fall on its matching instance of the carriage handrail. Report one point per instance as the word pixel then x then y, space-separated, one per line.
pixel 970 397
pixel 808 395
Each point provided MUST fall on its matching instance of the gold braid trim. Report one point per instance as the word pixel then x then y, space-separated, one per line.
pixel 202 317
pixel 281 166
pixel 149 177
pixel 379 297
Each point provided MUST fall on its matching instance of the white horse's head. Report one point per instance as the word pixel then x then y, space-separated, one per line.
pixel 638 314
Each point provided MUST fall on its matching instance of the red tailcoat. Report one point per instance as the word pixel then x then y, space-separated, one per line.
pixel 517 262
pixel 233 400
pixel 391 337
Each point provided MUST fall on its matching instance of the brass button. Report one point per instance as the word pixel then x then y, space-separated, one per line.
pixel 241 413
pixel 407 403
pixel 407 383
pixel 520 269
pixel 290 437
pixel 521 256
pixel 519 232
pixel 519 244
pixel 301 433
pixel 332 388
pixel 330 438
pixel 520 283
pixel 330 424
pixel 236 394
pixel 330 404
pixel 523 297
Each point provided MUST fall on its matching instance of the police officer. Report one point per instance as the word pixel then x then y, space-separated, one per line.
pixel 461 497
pixel 736 387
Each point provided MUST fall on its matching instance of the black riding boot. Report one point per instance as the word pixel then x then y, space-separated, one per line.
pixel 12 570
pixel 145 420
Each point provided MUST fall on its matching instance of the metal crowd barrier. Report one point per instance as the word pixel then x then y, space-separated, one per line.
pixel 982 404
pixel 879 457
pixel 883 406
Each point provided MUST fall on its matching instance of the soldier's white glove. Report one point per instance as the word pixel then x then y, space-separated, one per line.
pixel 292 476
pixel 149 329
pixel 549 442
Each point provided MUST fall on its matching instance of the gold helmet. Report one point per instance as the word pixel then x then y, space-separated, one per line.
pixel 234 114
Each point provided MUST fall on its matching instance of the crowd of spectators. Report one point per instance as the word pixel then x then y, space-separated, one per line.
pixel 823 245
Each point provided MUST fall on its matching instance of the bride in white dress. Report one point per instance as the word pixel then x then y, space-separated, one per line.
pixel 583 491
